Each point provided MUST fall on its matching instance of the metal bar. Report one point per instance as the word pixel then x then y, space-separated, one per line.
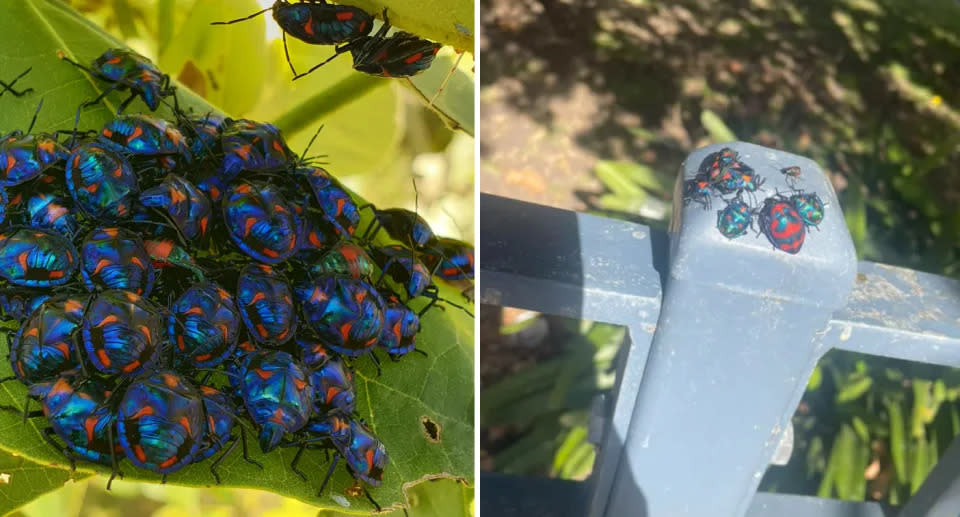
pixel 582 266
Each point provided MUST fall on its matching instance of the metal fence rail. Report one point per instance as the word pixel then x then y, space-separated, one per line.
pixel 719 359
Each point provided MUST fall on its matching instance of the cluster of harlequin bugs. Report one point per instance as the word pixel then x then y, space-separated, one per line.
pixel 783 219
pixel 318 23
pixel 177 283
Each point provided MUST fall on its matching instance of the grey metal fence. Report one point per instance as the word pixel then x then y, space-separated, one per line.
pixel 724 335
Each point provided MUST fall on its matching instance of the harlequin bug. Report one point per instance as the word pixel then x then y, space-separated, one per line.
pixel 400 328
pixel 344 259
pixel 160 422
pixel 18 306
pixel 127 70
pixel 8 87
pixel 315 22
pixel 24 156
pixel 43 347
pixel 782 224
pixel 205 133
pixel 260 222
pixel 101 182
pixel 333 389
pixel 697 190
pixel 204 325
pixel 36 258
pixel 181 202
pixel 734 220
pixel 449 259
pixel 79 414
pixel 247 146
pixel 364 453
pixel 400 224
pixel 265 301
pixel 277 393
pixel 52 212
pixel 346 314
pixel 810 207
pixel 146 136
pixel 399 55
pixel 336 205
pixel 115 258
pixel 121 333
pixel 166 253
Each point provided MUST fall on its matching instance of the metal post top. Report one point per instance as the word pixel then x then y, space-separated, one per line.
pixel 746 218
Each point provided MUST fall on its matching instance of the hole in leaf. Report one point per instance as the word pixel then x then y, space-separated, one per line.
pixel 431 429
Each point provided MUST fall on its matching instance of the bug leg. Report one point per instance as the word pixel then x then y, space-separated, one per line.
pixel 286 52
pixel 246 452
pixel 370 498
pixel 421 352
pixel 337 51
pixel 113 458
pixel 126 102
pixel 48 435
pixel 216 462
pixel 336 458
pixel 9 87
pixel 376 362
pixel 296 461
pixel 102 95
pixel 245 18
pixel 445 80
pixel 385 27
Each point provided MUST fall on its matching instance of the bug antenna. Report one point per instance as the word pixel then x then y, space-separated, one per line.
pixel 446 79
pixel 9 87
pixel 245 18
pixel 303 156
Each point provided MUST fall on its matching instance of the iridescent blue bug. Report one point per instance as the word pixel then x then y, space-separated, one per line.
pixel 697 190
pixel 36 258
pixel 449 259
pixel 25 156
pixel 400 328
pixel 315 22
pixel 43 347
pixel 266 304
pixel 18 306
pixel 146 136
pixel 277 393
pixel 50 211
pixel 333 389
pixel 101 182
pixel 205 133
pixel 121 333
pixel 400 224
pixel 338 208
pixel 204 325
pixel 127 70
pixel 260 222
pixel 734 220
pixel 116 258
pixel 364 453
pixel 79 414
pixel 346 314
pixel 183 203
pixel 810 207
pixel 160 422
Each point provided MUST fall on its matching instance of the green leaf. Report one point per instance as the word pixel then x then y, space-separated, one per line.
pixel 718 130
pixel 438 388
pixel 898 444
pixel 22 480
pixel 854 388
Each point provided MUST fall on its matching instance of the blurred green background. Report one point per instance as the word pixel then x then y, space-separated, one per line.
pixel 392 138
pixel 592 106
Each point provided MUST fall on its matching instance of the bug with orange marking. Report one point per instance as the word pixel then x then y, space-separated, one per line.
pixel 366 456
pixel 265 302
pixel 315 22
pixel 399 55
pixel 338 208
pixel 43 347
pixel 78 413
pixel 94 185
pixel 250 147
pixel 277 393
pixel 260 222
pixel 332 379
pixel 116 258
pixel 146 136
pixel 161 422
pixel 25 156
pixel 180 201
pixel 36 258
pixel 121 333
pixel 205 325
pixel 127 70
pixel 400 328
pixel 346 314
